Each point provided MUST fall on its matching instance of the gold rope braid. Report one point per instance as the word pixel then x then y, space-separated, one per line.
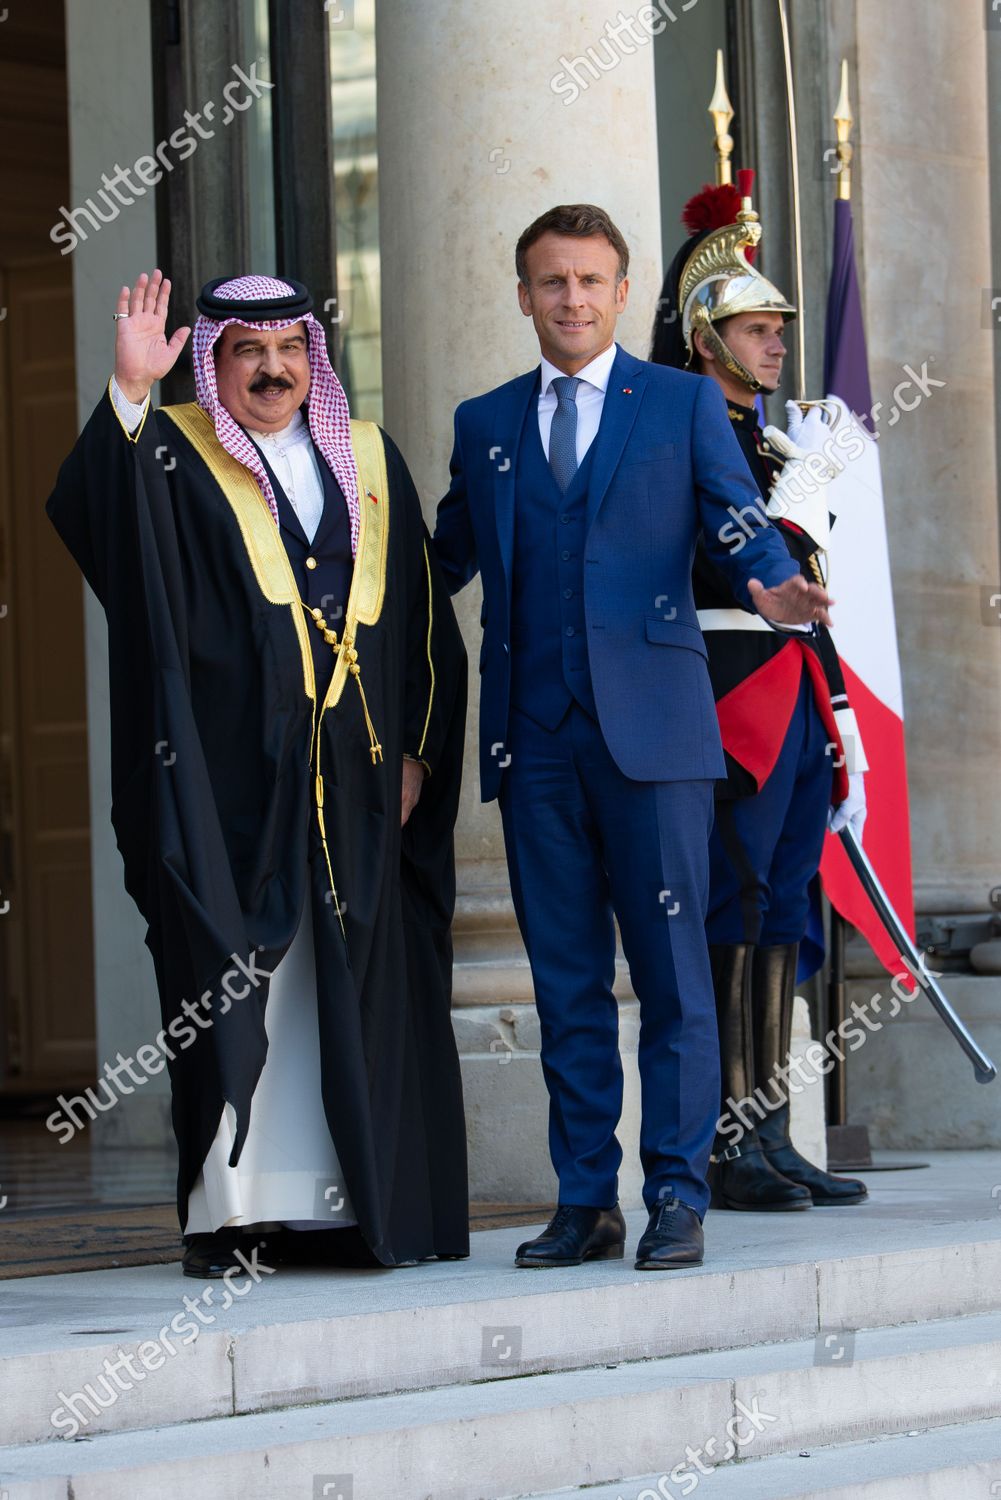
pixel 816 569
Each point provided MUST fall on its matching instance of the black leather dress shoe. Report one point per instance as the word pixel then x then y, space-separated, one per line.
pixel 672 1238
pixel 209 1256
pixel 575 1234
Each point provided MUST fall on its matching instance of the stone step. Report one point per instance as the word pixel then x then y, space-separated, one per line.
pixel 946 1463
pixel 528 1435
pixel 919 1250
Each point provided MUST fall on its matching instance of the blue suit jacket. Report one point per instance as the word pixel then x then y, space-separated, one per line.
pixel 666 464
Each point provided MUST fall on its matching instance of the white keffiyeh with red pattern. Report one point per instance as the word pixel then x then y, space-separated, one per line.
pixel 326 403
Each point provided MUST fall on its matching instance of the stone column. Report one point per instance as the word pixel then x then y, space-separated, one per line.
pixel 923 206
pixel 923 221
pixel 488 116
pixel 111 120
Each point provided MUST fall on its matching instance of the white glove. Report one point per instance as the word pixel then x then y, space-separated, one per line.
pixel 800 494
pixel 807 429
pixel 853 809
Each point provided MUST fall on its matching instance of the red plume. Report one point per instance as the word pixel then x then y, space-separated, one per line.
pixel 711 208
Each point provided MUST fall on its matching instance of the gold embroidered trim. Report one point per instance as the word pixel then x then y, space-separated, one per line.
pixel 261 538
pixel 368 581
pixel 133 437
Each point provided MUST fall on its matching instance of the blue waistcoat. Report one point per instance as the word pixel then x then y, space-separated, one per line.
pixel 549 663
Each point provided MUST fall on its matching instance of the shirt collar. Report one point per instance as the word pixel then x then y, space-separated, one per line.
pixel 293 433
pixel 597 373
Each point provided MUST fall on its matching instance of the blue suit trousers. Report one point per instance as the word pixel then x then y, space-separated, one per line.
pixel 586 845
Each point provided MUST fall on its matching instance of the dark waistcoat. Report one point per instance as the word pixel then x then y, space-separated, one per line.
pixel 323 566
pixel 549 663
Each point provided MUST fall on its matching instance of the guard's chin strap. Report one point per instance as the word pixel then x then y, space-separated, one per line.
pixel 719 350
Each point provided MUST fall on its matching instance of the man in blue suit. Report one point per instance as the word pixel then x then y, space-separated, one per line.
pixel 578 491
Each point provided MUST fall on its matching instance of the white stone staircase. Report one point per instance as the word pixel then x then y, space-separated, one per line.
pixel 859 1351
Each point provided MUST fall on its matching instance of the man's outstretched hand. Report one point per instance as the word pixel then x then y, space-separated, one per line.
pixel 795 602
pixel 143 354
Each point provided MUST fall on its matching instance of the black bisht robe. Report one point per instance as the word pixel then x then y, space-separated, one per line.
pixel 215 803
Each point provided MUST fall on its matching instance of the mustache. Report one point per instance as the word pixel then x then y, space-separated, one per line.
pixel 270 383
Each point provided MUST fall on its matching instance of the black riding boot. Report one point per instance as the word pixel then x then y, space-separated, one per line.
pixel 773 988
pixel 741 1175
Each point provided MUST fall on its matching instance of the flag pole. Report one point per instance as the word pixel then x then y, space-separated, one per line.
pixel 837 1083
pixel 843 121
pixel 721 112
pixel 797 234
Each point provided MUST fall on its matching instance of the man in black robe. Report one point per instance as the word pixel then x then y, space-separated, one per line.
pixel 287 713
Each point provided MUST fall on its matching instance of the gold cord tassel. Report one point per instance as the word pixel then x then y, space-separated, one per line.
pixel 375 749
pixel 347 645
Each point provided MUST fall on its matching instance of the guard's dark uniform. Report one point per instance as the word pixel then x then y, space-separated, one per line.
pixel 779 696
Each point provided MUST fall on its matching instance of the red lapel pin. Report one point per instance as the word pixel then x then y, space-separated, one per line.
pixel 627 390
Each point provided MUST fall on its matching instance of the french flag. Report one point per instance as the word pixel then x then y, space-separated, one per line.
pixel 864 626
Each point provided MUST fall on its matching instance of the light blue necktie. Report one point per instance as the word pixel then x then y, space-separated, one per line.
pixel 563 433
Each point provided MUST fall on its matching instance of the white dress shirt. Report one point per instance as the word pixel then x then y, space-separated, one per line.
pixel 289 452
pixel 293 459
pixel 590 399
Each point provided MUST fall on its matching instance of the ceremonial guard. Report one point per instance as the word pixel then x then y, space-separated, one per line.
pixel 793 753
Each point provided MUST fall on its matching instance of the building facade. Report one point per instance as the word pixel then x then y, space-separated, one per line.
pixel 389 153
